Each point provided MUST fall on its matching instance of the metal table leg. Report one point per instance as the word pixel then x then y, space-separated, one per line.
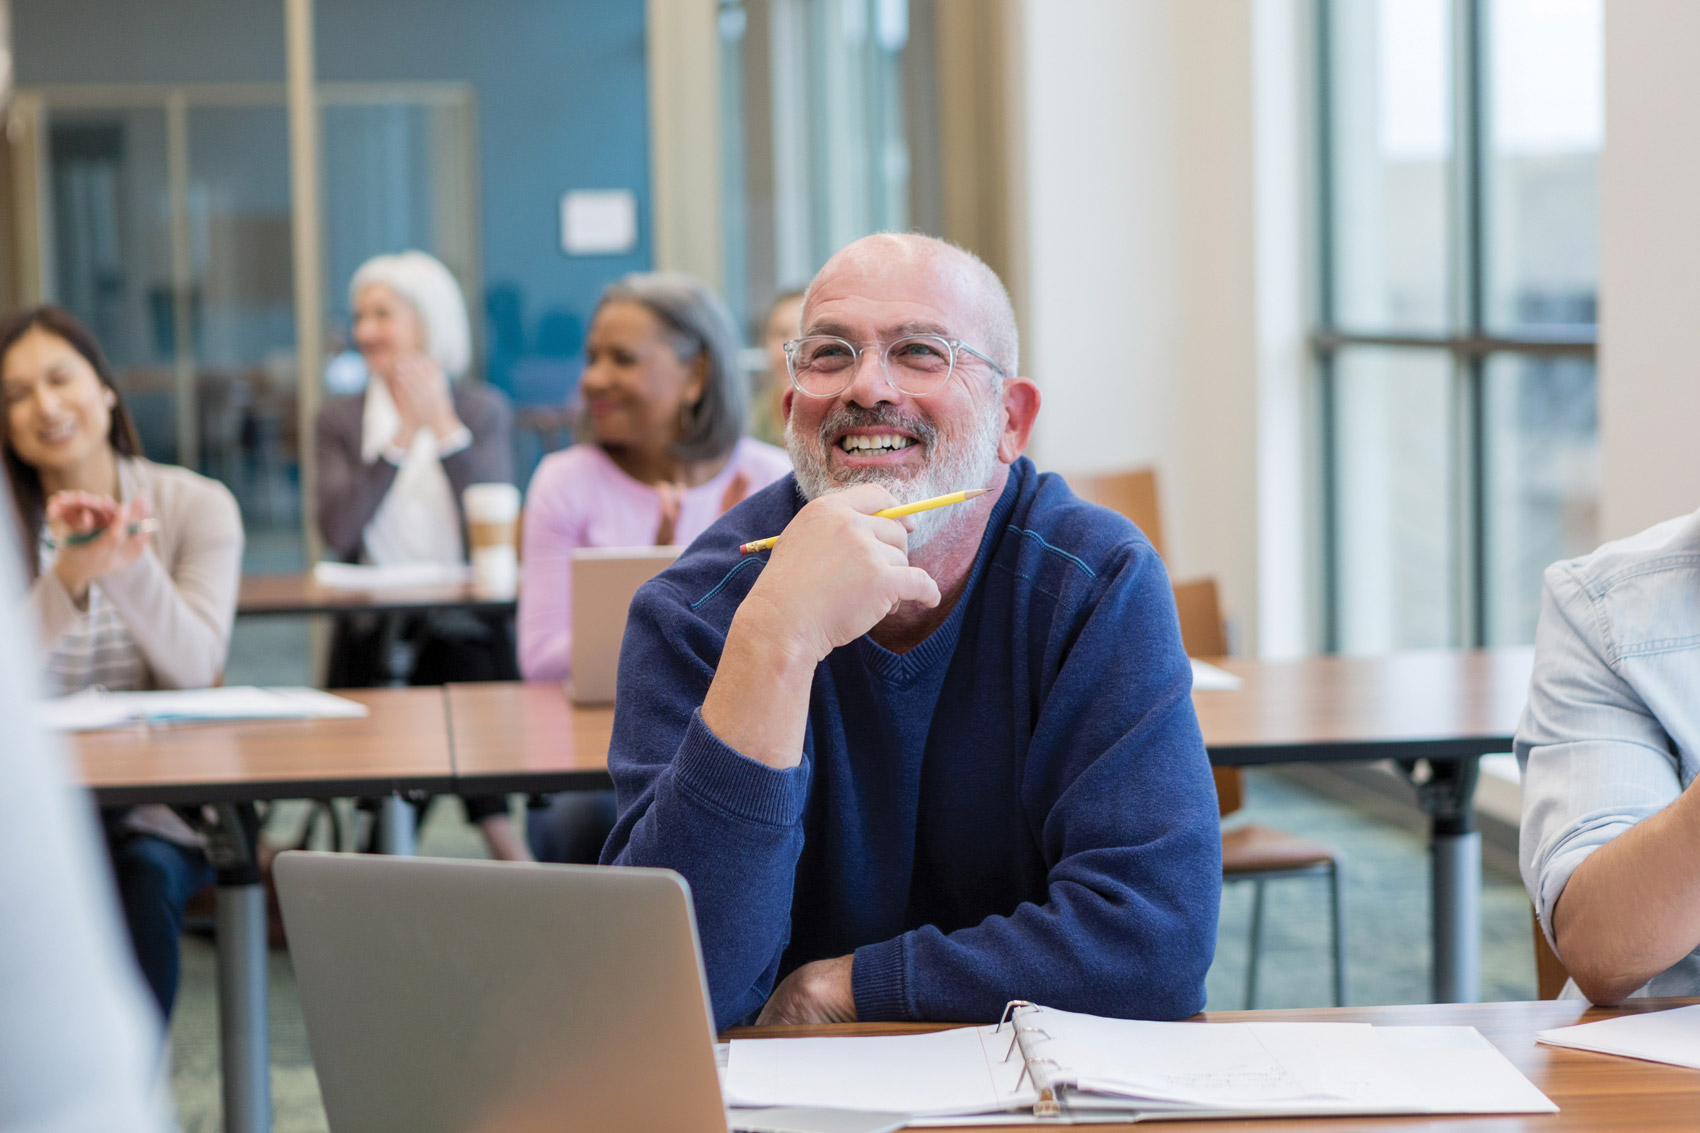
pixel 395 826
pixel 1446 793
pixel 243 1010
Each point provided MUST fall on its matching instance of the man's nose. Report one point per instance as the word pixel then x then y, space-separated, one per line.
pixel 871 383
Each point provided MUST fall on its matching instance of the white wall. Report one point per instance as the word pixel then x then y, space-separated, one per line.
pixel 1162 273
pixel 1650 265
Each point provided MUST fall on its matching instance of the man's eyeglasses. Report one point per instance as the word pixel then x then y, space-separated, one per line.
pixel 917 364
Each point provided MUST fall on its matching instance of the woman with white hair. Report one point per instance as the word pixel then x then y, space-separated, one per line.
pixel 393 463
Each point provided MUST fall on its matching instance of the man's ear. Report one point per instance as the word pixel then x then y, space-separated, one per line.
pixel 1020 410
pixel 785 400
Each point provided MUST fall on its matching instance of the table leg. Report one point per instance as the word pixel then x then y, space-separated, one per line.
pixel 243 1022
pixel 1447 795
pixel 243 1019
pixel 395 826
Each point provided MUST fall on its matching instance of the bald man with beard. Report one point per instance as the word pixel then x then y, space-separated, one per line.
pixel 913 769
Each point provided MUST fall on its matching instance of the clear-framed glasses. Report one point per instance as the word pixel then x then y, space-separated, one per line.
pixel 917 364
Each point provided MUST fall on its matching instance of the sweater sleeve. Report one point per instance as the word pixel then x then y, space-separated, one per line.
pixel 731 825
pixel 350 491
pixel 1118 794
pixel 180 613
pixel 489 459
pixel 554 528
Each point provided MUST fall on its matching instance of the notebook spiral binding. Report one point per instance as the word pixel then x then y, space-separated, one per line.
pixel 1032 1065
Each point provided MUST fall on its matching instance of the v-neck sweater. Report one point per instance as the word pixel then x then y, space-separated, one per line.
pixel 1020 807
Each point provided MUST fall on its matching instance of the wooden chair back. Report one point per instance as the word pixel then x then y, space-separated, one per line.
pixel 1202 633
pixel 1132 493
pixel 1550 972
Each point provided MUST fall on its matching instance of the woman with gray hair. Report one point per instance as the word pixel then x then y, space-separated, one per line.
pixel 393 463
pixel 663 454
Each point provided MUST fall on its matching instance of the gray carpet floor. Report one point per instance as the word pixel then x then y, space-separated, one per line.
pixel 1387 912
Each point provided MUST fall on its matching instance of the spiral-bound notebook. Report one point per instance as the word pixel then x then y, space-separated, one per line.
pixel 1040 1062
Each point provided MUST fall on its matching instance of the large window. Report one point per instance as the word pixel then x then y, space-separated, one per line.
pixel 1458 285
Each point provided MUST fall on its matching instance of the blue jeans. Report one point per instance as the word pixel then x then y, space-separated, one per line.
pixel 155 880
pixel 572 828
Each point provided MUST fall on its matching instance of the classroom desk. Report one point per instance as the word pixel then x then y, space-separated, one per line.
pixel 282 594
pixel 402 745
pixel 1435 712
pixel 1595 1093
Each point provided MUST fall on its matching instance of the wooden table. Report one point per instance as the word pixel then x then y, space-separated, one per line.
pixel 281 594
pixel 518 736
pixel 1436 712
pixel 1595 1093
pixel 401 745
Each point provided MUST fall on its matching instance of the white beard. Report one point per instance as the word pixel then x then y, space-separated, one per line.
pixel 968 464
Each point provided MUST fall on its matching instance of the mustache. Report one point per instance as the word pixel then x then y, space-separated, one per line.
pixel 863 417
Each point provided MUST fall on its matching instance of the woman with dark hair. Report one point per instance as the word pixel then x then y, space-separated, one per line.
pixel 664 455
pixel 134 568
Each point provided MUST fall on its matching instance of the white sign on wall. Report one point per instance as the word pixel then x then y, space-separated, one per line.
pixel 598 222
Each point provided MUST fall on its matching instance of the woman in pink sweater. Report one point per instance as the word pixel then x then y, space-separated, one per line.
pixel 665 403
pixel 665 455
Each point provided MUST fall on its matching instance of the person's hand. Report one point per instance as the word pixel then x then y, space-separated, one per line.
pixel 421 395
pixel 672 496
pixel 837 572
pixel 820 992
pixel 113 550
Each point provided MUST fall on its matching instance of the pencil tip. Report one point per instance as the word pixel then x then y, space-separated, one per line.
pixel 972 492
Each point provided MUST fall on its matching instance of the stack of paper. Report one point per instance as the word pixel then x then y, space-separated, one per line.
pixel 1657 1036
pixel 1129 1070
pixel 94 709
pixel 400 576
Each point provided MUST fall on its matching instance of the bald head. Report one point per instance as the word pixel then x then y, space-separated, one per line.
pixel 943 265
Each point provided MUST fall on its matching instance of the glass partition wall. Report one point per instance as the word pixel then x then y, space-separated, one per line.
pixel 162 217
pixel 1460 144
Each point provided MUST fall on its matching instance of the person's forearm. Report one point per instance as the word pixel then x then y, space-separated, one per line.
pixel 1632 908
pixel 758 704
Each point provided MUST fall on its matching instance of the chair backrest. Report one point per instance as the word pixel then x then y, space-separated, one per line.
pixel 1199 605
pixel 1133 493
pixel 1550 972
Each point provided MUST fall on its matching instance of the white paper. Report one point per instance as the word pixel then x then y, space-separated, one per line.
pixel 1209 678
pixel 1656 1036
pixel 397 576
pixel 94 710
pixel 1459 1071
pixel 1149 1070
pixel 956 1071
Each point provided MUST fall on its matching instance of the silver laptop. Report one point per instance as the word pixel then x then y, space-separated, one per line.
pixel 475 995
pixel 605 579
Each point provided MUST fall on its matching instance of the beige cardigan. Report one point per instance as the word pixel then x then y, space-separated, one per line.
pixel 179 598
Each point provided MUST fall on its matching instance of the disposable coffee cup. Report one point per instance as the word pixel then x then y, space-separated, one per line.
pixel 492 530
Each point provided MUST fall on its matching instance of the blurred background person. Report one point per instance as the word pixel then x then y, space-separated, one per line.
pixel 80 1047
pixel 134 573
pixel 664 456
pixel 393 463
pixel 784 323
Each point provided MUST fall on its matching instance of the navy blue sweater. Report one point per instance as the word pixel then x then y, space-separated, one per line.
pixel 1018 808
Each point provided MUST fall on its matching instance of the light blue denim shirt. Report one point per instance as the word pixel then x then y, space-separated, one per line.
pixel 1611 733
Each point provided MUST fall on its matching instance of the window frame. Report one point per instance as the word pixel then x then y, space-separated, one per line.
pixel 1470 345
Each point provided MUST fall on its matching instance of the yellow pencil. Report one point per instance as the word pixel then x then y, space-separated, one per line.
pixel 897 512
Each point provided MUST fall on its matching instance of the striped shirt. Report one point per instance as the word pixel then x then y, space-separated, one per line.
pixel 96 649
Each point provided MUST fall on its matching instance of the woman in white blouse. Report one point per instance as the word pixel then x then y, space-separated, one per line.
pixel 134 568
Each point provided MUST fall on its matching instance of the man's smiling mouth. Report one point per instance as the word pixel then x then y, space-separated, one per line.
pixel 883 442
